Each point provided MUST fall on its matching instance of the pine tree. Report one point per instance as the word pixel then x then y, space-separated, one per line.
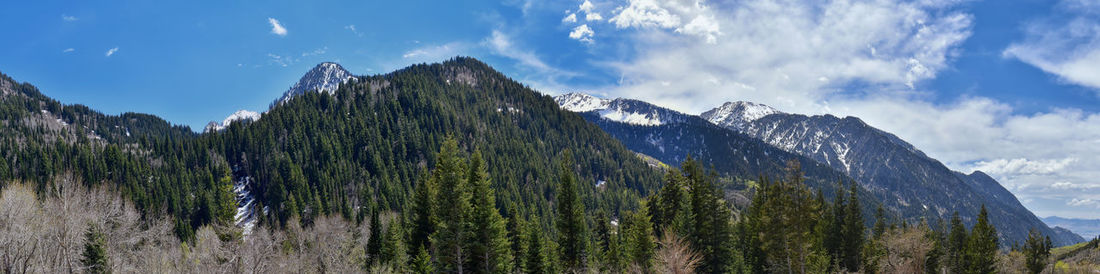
pixel 393 247
pixel 932 261
pixel 490 246
pixel 518 236
pixel 880 223
pixel 95 251
pixel 226 200
pixel 710 229
pixel 833 219
pixel 956 245
pixel 422 263
pixel 423 224
pixel 1036 251
pixel 639 237
pixel 981 253
pixel 451 240
pixel 602 234
pixel 853 231
pixel 536 262
pixel 572 231
pixel 374 241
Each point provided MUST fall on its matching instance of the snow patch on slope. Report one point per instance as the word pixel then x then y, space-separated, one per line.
pixel 240 115
pixel 580 102
pixel 246 216
pixel 738 114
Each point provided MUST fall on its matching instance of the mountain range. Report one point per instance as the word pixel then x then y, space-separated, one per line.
pixel 361 141
pixel 1088 228
pixel 898 175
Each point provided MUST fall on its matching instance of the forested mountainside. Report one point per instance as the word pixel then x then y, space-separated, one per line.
pixel 362 147
pixel 440 168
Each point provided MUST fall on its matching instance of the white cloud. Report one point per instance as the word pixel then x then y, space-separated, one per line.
pixel 587 6
pixel 582 33
pixel 69 18
pixel 435 53
pixel 593 16
pixel 276 27
pixel 571 18
pixel 777 52
pixel 1023 166
pixel 111 51
pixel 282 61
pixel 646 14
pixel 501 44
pixel 545 78
pixel 1084 202
pixel 68 50
pixel 1069 49
pixel 353 30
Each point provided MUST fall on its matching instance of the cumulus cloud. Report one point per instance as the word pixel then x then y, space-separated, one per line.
pixel 1070 50
pixel 779 52
pixel 582 33
pixel 593 16
pixel 111 51
pixel 571 18
pixel 276 27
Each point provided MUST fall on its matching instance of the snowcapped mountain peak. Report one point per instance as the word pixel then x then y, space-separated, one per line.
pixel 325 77
pixel 580 102
pixel 738 114
pixel 240 115
pixel 622 110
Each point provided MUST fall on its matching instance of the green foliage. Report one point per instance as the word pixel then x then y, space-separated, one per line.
pixel 640 244
pixel 374 241
pixel 94 257
pixel 490 245
pixel 536 261
pixel 956 245
pixel 422 262
pixel 572 228
pixel 1036 251
pixel 981 253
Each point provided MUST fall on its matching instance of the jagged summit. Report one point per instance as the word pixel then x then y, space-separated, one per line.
pixel 623 110
pixel 580 102
pixel 738 114
pixel 240 115
pixel 325 77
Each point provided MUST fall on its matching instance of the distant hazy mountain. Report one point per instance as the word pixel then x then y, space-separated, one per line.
pixel 1088 228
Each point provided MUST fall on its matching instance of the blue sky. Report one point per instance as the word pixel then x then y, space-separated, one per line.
pixel 1007 87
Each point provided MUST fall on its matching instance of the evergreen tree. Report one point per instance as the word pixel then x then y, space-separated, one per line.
pixel 932 260
pixel 639 237
pixel 536 262
pixel 490 245
pixel 880 223
pixel 956 245
pixel 710 228
pixel 226 200
pixel 602 234
pixel 393 247
pixel 981 253
pixel 422 263
pixel 451 240
pixel 374 241
pixel 423 224
pixel 853 231
pixel 833 220
pixel 518 237
pixel 572 231
pixel 1036 251
pixel 95 251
